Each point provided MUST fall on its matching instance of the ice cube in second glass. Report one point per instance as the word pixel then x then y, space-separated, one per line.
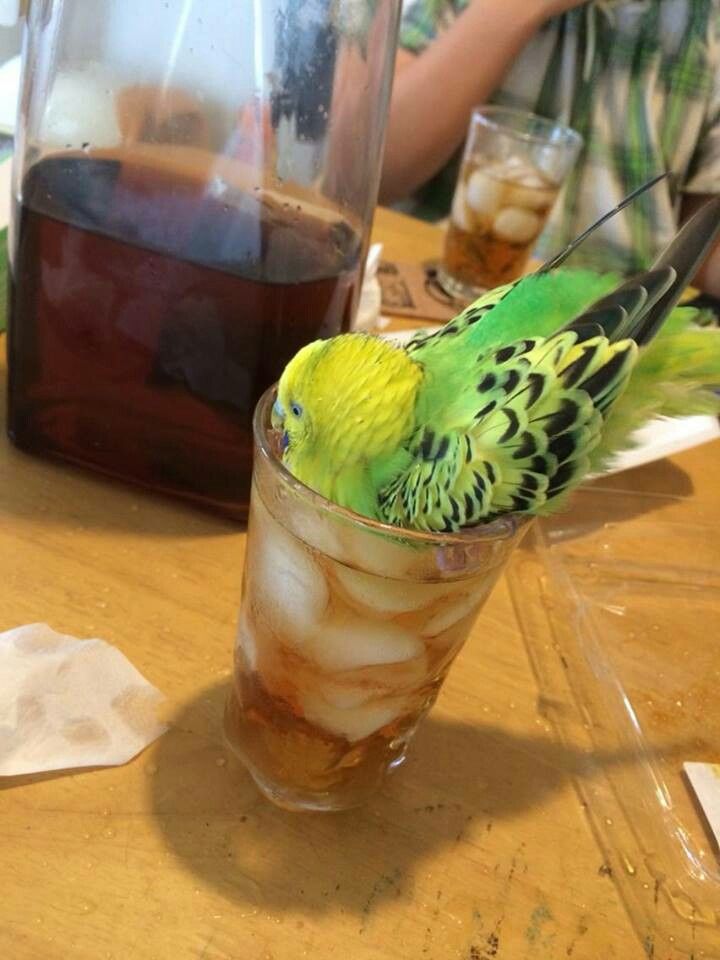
pixel 483 193
pixel 516 225
pixel 459 213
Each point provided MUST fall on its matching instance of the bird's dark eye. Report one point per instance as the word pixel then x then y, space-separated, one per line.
pixel 296 409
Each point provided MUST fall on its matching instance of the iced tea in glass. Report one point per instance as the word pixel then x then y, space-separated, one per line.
pixel 512 171
pixel 347 629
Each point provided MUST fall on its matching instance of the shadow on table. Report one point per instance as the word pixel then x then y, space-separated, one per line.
pixel 659 478
pixel 255 854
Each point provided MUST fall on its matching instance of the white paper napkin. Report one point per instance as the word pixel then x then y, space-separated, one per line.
pixel 66 702
pixel 705 780
pixel 368 312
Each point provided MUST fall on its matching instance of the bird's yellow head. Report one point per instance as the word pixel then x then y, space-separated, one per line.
pixel 340 404
pixel 290 411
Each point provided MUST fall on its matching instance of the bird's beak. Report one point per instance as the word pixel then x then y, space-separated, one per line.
pixel 277 418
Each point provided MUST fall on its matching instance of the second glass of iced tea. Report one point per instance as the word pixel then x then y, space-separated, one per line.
pixel 512 170
pixel 347 630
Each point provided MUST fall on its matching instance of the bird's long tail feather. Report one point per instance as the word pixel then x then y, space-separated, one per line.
pixel 561 257
pixel 684 255
pixel 677 375
pixel 679 363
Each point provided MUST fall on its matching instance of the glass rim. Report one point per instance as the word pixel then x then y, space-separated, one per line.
pixel 500 529
pixel 489 116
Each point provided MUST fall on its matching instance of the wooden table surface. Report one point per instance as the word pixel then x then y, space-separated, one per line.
pixel 478 849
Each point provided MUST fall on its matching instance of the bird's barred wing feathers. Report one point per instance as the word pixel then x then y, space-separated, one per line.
pixel 533 412
pixel 469 316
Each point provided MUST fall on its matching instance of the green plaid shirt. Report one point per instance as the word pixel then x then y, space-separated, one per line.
pixel 640 80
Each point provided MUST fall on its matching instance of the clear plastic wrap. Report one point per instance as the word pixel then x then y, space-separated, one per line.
pixel 619 600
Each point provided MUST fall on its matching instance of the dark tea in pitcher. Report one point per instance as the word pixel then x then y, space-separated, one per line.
pixel 150 308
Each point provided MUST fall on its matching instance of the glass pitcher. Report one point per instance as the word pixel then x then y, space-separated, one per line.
pixel 193 186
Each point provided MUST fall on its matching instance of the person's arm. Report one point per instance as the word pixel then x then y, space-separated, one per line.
pixel 435 91
pixel 707 278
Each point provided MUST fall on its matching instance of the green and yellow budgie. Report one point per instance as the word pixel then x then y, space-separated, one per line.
pixel 509 405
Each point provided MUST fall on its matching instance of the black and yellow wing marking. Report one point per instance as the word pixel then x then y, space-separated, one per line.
pixel 516 437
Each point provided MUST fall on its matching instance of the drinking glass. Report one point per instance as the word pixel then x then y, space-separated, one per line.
pixel 347 629
pixel 512 170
